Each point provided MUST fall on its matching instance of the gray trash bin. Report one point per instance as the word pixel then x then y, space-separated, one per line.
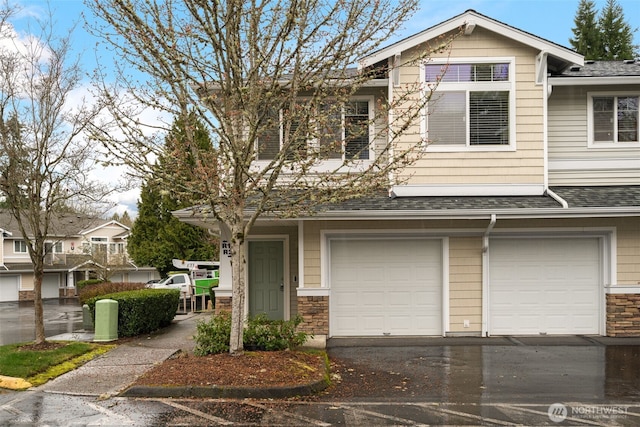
pixel 106 323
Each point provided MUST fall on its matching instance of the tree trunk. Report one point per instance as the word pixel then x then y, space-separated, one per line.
pixel 238 268
pixel 38 307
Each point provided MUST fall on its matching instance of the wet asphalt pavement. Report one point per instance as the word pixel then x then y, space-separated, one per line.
pixel 496 381
pixel 17 322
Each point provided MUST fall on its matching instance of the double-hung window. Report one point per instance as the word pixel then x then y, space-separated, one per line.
pixel 472 106
pixel 19 247
pixel 336 131
pixel 613 119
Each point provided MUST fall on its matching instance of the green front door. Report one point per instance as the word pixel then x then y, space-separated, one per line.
pixel 266 278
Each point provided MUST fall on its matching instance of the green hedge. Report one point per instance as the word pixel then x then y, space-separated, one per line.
pixel 93 290
pixel 141 311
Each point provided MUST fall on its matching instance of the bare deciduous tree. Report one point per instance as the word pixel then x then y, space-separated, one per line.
pixel 273 82
pixel 45 163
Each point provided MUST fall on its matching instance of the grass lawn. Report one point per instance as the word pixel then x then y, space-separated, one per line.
pixel 39 364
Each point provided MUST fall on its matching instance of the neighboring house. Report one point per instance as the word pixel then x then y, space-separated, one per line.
pixel 78 248
pixel 522 218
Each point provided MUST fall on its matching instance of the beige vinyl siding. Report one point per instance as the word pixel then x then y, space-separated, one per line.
pixel 525 165
pixel 568 142
pixel 628 252
pixel 465 284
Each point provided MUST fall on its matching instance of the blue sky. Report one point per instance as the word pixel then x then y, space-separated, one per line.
pixel 549 19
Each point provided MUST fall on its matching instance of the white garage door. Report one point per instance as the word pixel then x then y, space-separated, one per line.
pixel 9 288
pixel 544 285
pixel 50 286
pixel 386 286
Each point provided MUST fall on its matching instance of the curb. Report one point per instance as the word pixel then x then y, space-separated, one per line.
pixel 226 392
pixel 12 383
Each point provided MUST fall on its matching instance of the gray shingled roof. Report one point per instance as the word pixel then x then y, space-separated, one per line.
pixel 62 225
pixel 382 202
pixel 627 68
pixel 576 197
pixel 604 196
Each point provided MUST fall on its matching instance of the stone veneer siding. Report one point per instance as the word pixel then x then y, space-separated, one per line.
pixel 315 312
pixel 222 304
pixel 26 295
pixel 623 315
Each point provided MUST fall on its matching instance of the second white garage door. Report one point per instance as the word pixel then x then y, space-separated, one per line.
pixel 544 285
pixel 385 287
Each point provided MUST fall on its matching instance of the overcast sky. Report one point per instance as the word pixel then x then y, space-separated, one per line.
pixel 549 19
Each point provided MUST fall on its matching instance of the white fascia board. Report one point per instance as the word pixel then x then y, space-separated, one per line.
pixel 594 81
pixel 468 190
pixel 466 214
pixel 479 21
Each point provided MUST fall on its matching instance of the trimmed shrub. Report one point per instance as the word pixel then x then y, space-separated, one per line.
pixel 213 337
pixel 93 290
pixel 142 311
pixel 260 333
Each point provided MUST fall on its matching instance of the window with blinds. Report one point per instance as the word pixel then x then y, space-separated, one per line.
pixel 339 131
pixel 471 105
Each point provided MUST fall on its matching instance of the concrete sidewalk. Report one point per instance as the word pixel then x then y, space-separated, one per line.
pixel 111 373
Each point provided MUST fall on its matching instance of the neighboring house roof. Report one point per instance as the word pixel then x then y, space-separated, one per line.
pixel 559 57
pixel 61 225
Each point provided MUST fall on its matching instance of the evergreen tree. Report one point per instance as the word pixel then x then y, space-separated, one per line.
pixel 157 236
pixel 616 34
pixel 608 37
pixel 587 37
pixel 125 219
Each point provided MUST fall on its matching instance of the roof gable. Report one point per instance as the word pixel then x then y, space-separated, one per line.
pixel 560 56
pixel 107 224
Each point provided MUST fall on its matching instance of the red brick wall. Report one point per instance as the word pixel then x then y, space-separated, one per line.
pixel 623 315
pixel 315 312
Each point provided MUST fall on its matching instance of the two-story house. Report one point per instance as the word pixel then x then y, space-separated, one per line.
pixel 521 218
pixel 78 248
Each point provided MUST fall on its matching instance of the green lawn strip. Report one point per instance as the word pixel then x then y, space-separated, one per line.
pixel 39 366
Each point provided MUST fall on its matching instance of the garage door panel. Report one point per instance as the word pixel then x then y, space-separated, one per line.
pixel 544 285
pixel 391 282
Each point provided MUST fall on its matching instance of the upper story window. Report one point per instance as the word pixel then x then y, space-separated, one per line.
pixel 472 107
pixel 613 119
pixel 53 247
pixel 339 132
pixel 19 247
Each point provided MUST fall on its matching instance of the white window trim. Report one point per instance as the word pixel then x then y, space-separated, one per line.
pixel 510 86
pixel 591 144
pixel 332 164
pixel 26 250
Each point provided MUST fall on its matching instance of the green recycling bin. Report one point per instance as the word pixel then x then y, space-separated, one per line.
pixel 106 323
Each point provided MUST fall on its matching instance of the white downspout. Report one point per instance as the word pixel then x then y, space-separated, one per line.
pixel 485 276
pixel 557 198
